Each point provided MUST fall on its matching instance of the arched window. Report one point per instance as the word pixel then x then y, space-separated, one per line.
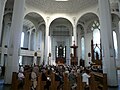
pixel 83 47
pixel 115 44
pixel 22 39
pixel 96 37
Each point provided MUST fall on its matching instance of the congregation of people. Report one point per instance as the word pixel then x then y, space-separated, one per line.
pixel 59 71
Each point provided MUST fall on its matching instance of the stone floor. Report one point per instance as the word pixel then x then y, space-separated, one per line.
pixel 7 87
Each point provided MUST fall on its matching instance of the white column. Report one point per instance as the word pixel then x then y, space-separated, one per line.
pixel 29 46
pixel 75 35
pixel 109 65
pixel 42 48
pixel 119 5
pixel 2 6
pixel 79 46
pixel 37 38
pixel 88 38
pixel 118 43
pixel 35 60
pixel 75 31
pixel 46 41
pixel 15 38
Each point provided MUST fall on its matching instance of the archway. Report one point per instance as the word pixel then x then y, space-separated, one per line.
pixel 84 25
pixel 5 36
pixel 61 37
pixel 34 31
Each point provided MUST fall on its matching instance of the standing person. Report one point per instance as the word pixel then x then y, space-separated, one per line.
pixel 85 78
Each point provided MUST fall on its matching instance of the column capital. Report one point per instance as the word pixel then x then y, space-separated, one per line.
pixel 47 18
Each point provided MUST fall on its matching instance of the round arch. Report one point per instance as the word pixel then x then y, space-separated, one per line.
pixel 62 22
pixel 28 12
pixel 87 18
pixel 115 21
pixel 86 13
pixel 56 16
pixel 35 18
pixel 60 32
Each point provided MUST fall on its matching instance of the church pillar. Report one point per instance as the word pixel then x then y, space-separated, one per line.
pixel 42 47
pixel 118 43
pixel 88 37
pixel 109 65
pixel 79 47
pixel 30 32
pixel 2 6
pixel 119 5
pixel 15 38
pixel 46 41
pixel 75 31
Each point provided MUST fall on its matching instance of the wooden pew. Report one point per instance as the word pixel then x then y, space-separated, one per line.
pixel 80 85
pixel 92 83
pixel 15 81
pixel 28 83
pixel 99 81
pixel 40 83
pixel 66 85
pixel 54 83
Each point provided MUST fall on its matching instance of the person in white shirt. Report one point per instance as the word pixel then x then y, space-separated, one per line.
pixel 21 78
pixel 85 78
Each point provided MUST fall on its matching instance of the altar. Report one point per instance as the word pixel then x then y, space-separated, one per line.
pixel 60 54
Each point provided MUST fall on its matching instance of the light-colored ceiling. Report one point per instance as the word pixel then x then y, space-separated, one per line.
pixel 52 6
pixel 87 17
pixel 32 17
pixel 27 24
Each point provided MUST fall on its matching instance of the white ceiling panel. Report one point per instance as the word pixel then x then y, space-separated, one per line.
pixel 52 6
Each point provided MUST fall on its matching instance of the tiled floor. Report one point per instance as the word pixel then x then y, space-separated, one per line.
pixel 7 87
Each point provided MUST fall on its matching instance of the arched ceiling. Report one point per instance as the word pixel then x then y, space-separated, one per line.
pixel 61 27
pixel 87 17
pixel 31 19
pixel 70 6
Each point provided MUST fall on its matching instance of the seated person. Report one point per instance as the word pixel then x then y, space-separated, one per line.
pixel 34 79
pixel 59 78
pixel 21 78
pixel 47 79
pixel 73 80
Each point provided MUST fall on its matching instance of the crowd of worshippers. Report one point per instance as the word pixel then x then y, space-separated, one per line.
pixel 72 72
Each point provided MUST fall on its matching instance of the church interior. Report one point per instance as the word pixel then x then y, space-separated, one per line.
pixel 59 44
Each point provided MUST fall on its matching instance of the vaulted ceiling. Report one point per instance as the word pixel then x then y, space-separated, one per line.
pixel 52 6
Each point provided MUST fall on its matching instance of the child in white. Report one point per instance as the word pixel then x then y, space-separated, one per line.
pixel 85 78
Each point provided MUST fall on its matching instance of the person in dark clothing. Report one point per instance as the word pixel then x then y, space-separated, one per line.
pixel 3 71
pixel 59 78
pixel 47 79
